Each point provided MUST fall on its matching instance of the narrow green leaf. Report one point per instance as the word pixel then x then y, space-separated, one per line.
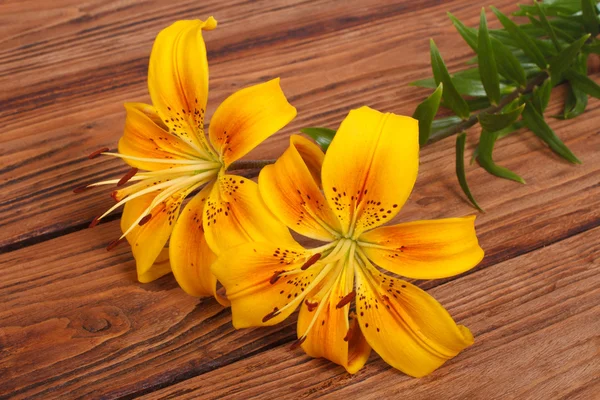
pixel 468 34
pixel 590 16
pixel 577 99
pixel 535 122
pixel 486 147
pixel 323 136
pixel 583 83
pixel 593 48
pixel 444 123
pixel 560 63
pixel 499 135
pixel 460 169
pixel 425 112
pixel 451 96
pixel 496 122
pixel 508 64
pixel 546 26
pixel 521 39
pixel 487 62
pixel 541 96
pixel 465 83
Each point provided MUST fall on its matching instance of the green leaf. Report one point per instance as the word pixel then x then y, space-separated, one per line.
pixel 451 96
pixel 487 62
pixel 565 58
pixel 583 83
pixel 468 34
pixel 499 135
pixel 444 123
pixel 546 26
pixel 590 16
pixel 486 147
pixel 496 122
pixel 460 169
pixel 541 96
pixel 323 136
pixel 425 112
pixel 535 122
pixel 465 83
pixel 577 99
pixel 508 64
pixel 521 39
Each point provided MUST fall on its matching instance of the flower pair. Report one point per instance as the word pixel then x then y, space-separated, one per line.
pixel 234 230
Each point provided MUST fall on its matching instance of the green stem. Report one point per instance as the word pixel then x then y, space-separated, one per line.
pixel 249 164
pixel 473 119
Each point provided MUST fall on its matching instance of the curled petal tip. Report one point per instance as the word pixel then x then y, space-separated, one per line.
pixel 210 24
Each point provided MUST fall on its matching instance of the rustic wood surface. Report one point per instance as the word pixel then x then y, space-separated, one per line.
pixel 74 322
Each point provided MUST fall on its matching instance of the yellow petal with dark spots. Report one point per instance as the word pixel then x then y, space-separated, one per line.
pixel 290 188
pixel 425 249
pixel 178 80
pixel 248 117
pixel 407 327
pixel 235 213
pixel 265 282
pixel 370 168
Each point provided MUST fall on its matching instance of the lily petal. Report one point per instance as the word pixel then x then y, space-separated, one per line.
pixel 148 241
pixel 425 249
pixel 178 80
pixel 260 290
pixel 407 327
pixel 330 334
pixel 290 188
pixel 235 213
pixel 370 168
pixel 190 255
pixel 146 136
pixel 248 117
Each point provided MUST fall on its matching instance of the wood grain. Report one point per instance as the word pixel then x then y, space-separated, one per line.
pixel 536 320
pixel 66 72
pixel 74 323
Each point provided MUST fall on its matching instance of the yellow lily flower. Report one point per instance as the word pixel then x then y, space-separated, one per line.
pixel 350 300
pixel 167 141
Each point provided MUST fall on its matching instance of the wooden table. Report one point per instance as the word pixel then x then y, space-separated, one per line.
pixel 75 323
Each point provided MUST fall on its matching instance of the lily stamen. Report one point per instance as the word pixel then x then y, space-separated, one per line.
pixel 346 299
pixel 130 174
pixel 206 164
pixel 310 261
pixel 98 152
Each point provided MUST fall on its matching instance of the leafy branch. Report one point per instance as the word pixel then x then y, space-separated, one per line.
pixel 510 88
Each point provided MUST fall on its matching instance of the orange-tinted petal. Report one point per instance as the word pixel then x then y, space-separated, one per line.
pixel 330 334
pixel 148 241
pixel 425 249
pixel 178 80
pixel 191 258
pixel 145 136
pixel 248 117
pixel 407 327
pixel 234 214
pixel 292 193
pixel 257 285
pixel 370 168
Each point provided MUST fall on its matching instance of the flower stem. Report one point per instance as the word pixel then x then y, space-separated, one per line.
pixel 473 119
pixel 249 164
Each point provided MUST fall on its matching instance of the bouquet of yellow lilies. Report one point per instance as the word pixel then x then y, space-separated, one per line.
pixel 232 239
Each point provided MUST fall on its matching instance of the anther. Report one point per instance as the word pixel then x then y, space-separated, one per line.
pixel 145 220
pixel 275 277
pixel 346 299
pixel 81 189
pixel 271 315
pixel 98 152
pixel 298 343
pixel 94 222
pixel 311 261
pixel 311 305
pixel 114 244
pixel 127 176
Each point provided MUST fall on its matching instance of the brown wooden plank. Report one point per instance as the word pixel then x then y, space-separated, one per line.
pixel 536 320
pixel 66 71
